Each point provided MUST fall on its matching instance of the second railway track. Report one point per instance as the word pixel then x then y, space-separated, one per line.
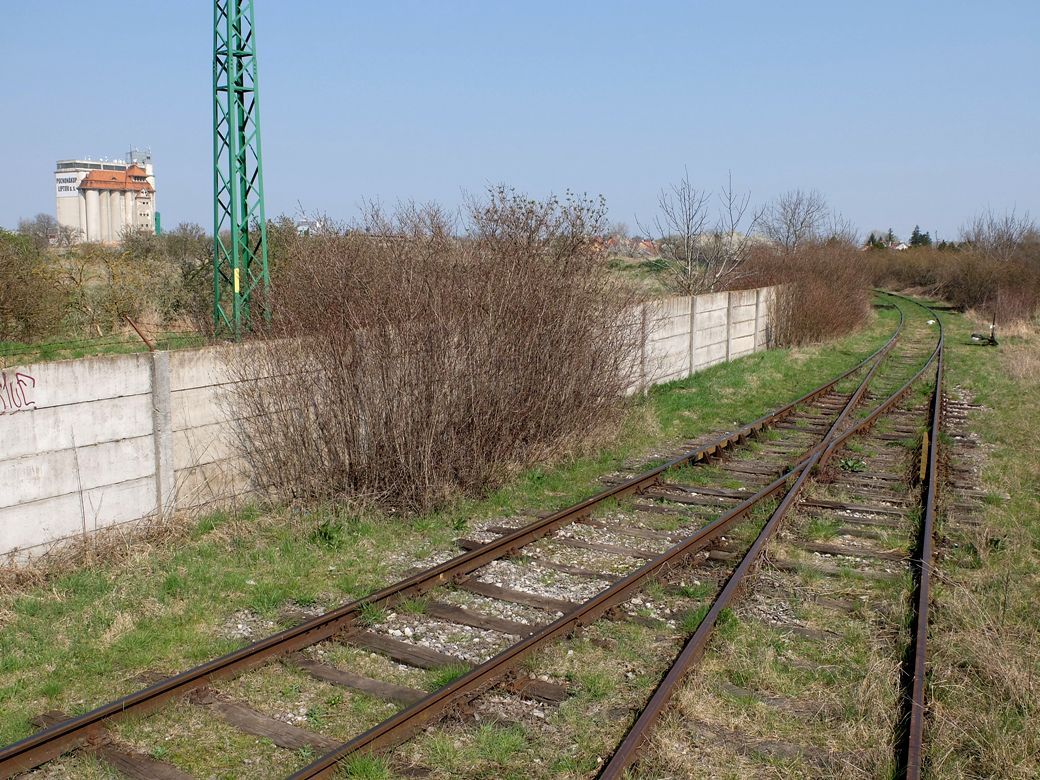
pixel 516 590
pixel 828 676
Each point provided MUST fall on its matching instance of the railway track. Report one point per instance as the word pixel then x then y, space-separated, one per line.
pixel 867 503
pixel 515 590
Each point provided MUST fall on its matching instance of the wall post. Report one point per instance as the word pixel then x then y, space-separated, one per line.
pixel 642 347
pixel 162 422
pixel 729 324
pixel 758 317
pixel 693 333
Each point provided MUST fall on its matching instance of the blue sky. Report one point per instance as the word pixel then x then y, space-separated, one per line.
pixel 899 113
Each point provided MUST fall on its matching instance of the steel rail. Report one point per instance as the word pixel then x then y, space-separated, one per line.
pixel 408 721
pixel 51 742
pixel 638 736
pixel 399 727
pixel 923 565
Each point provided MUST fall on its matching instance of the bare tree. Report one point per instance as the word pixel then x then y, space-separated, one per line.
pixel 67 236
pixel 702 257
pixel 841 229
pixel 683 215
pixel 794 218
pixel 730 243
pixel 1000 237
pixel 41 229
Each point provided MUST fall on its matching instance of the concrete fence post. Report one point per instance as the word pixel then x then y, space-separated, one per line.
pixel 758 317
pixel 642 348
pixel 162 423
pixel 693 333
pixel 729 325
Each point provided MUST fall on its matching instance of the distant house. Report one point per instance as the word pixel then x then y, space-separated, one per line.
pixel 645 246
pixel 630 247
pixel 307 226
pixel 902 245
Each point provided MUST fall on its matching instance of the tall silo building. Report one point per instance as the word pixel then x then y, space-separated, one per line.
pixel 99 200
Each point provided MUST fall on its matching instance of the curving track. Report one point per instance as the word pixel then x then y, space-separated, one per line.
pixel 883 501
pixel 621 548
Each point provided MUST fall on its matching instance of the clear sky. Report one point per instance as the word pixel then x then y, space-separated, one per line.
pixel 898 112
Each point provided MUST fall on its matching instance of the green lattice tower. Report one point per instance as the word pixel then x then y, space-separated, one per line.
pixel 240 279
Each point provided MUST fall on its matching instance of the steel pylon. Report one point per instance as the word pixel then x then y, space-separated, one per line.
pixel 240 278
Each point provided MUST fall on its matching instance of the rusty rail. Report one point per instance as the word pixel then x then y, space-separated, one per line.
pixel 50 742
pixel 637 737
pixel 399 727
pixel 923 565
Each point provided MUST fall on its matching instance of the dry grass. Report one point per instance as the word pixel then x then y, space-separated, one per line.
pixel 991 271
pixel 118 545
pixel 985 643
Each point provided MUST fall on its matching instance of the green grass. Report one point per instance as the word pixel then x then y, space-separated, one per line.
pixel 821 528
pixel 985 648
pixel 370 614
pixel 80 639
pixel 367 768
pixel 14 353
pixel 438 678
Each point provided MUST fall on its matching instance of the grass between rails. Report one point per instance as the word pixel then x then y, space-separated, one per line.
pixel 82 638
pixel 985 635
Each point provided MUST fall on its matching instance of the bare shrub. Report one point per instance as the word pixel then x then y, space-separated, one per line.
pixel 430 360
pixel 29 305
pixel 824 290
pixel 100 285
pixel 995 269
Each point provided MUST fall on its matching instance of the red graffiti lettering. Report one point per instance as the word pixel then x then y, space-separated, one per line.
pixel 16 392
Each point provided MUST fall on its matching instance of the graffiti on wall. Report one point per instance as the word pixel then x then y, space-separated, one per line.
pixel 16 392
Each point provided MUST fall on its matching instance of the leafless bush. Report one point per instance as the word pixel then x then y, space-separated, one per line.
pixel 824 290
pixel 1002 237
pixel 29 305
pixel 703 254
pixel 995 269
pixel 429 360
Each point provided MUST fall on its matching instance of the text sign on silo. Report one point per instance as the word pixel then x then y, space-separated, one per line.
pixel 67 184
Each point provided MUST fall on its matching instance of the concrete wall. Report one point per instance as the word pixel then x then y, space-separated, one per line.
pixel 687 334
pixel 93 443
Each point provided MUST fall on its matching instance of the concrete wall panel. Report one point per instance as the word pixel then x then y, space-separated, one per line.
pixel 38 476
pixel 121 503
pixel 56 428
pixel 741 329
pixel 712 302
pixel 742 297
pixel 107 440
pixel 204 444
pixel 709 355
pixel 212 483
pixel 195 368
pixel 117 461
pixel 68 382
pixel 744 345
pixel 40 522
pixel 707 320
pixel 710 336
pixel 198 407
pixel 743 313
